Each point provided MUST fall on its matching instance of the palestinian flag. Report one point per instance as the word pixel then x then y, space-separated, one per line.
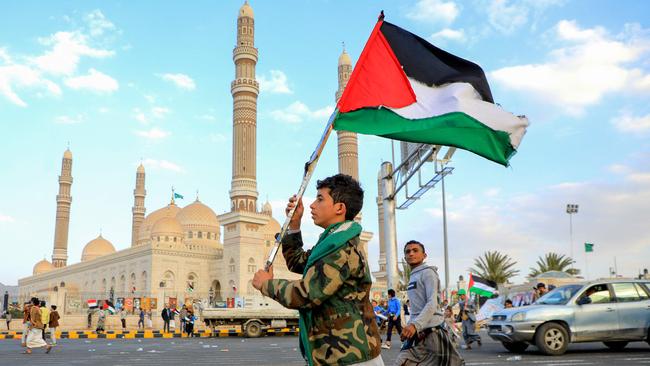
pixel 108 305
pixel 481 286
pixel 404 88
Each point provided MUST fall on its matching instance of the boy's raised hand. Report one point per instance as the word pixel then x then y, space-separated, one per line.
pixel 294 224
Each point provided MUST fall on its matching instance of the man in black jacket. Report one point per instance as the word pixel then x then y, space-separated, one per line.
pixel 166 315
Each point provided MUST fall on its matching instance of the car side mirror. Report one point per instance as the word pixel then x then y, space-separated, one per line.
pixel 584 300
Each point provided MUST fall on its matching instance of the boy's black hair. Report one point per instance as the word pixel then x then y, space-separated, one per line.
pixel 415 242
pixel 508 301
pixel 344 189
pixel 391 292
pixel 53 307
pixel 42 303
pixel 35 301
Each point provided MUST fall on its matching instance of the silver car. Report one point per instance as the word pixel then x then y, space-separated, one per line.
pixel 614 312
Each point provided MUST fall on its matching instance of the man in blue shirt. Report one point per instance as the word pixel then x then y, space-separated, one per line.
pixel 394 318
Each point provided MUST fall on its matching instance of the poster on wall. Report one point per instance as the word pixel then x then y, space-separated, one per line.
pixel 128 304
pixel 136 303
pixel 173 303
pixel 73 304
pixel 119 303
pixel 146 303
pixel 154 303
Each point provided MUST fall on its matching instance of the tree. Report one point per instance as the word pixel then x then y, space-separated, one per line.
pixel 404 276
pixel 494 266
pixel 553 262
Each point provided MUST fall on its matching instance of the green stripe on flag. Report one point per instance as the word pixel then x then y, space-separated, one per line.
pixel 481 292
pixel 452 129
pixel 589 247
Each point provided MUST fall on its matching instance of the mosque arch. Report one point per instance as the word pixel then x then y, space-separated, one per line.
pixel 216 288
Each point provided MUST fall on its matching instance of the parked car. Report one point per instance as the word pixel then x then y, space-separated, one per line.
pixel 614 312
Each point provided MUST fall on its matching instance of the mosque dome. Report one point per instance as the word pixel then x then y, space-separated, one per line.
pixel 344 59
pixel 67 154
pixel 43 266
pixel 200 223
pixel 167 226
pixel 144 235
pixel 246 10
pixel 97 248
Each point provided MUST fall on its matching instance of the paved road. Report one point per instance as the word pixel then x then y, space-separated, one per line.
pixel 280 351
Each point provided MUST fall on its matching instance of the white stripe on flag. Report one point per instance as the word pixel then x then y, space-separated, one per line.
pixel 462 97
pixel 483 286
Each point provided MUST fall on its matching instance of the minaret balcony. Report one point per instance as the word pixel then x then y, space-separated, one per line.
pixel 244 52
pixel 245 85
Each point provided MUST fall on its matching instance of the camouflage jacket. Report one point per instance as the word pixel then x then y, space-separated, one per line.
pixel 334 293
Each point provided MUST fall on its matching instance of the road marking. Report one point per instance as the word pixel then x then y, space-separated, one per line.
pixel 568 363
pixel 637 359
pixel 480 363
pixel 559 361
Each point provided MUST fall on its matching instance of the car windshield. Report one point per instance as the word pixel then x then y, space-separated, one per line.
pixel 559 296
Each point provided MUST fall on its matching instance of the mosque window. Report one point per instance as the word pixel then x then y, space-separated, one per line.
pixel 252 268
pixel 143 285
pixel 189 235
pixel 232 265
pixel 199 235
pixel 174 239
pixel 166 238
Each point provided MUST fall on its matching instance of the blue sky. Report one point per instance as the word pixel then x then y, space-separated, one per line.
pixel 126 81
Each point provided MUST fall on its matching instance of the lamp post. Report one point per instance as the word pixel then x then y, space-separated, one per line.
pixel 571 209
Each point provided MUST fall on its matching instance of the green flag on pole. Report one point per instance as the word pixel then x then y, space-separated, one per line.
pixel 589 247
pixel 176 195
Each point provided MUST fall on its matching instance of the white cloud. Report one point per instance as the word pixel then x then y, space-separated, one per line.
pixel 67 48
pixel 207 117
pixel 643 178
pixel 21 76
pixel 139 116
pixel 150 98
pixel 95 81
pixel 507 16
pixel 297 112
pixel 6 218
pixel 163 164
pixel 153 134
pixel 434 11
pixel 160 112
pixel 277 83
pixel 579 74
pixel 632 124
pixel 69 120
pixel 449 34
pixel 104 110
pixel 97 23
pixel 180 80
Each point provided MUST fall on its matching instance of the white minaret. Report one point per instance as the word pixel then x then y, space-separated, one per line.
pixel 244 90
pixel 138 209
pixel 63 202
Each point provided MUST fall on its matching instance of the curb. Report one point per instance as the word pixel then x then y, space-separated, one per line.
pixel 118 334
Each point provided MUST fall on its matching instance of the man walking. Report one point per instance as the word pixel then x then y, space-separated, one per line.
pixel 8 319
pixel 123 314
pixel 166 316
pixel 141 318
pixel 182 317
pixel 394 318
pixel 426 341
pixel 45 316
pixel 337 322
pixel 53 323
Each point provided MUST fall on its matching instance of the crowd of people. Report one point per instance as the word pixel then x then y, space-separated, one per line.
pixel 37 319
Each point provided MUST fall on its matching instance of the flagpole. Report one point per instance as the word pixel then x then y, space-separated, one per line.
pixel 309 170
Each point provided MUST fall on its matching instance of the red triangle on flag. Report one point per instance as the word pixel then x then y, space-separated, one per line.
pixel 377 79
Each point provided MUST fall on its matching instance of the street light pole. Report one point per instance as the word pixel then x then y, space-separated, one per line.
pixel 571 209
pixel 444 233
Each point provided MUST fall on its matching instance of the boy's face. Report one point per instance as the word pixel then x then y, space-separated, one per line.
pixel 324 211
pixel 414 255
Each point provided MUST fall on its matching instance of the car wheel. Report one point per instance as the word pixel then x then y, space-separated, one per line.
pixel 515 347
pixel 616 346
pixel 552 339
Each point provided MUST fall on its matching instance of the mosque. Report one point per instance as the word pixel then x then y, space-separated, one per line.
pixel 181 253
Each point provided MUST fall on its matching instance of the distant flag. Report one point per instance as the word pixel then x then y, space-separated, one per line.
pixel 178 195
pixel 190 287
pixel 108 305
pixel 92 303
pixel 404 88
pixel 481 286
pixel 234 288
pixel 176 311
pixel 589 247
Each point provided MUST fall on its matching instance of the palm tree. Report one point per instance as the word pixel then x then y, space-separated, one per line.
pixel 553 262
pixel 494 266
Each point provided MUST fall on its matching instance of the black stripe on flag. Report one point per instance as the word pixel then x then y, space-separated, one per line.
pixel 429 64
pixel 484 281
